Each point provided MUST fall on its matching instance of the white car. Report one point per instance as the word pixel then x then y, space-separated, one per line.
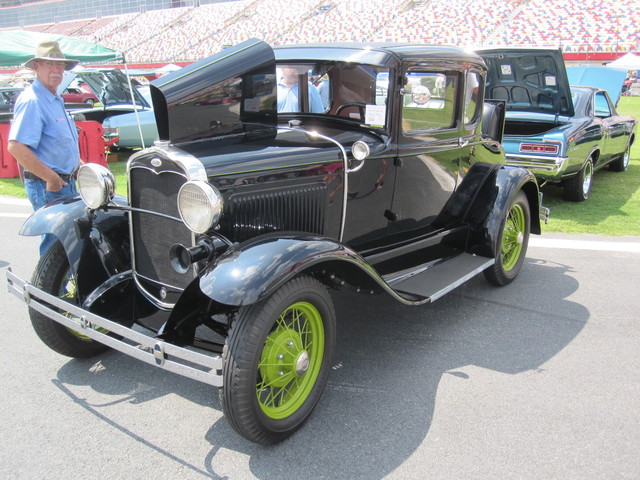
pixel 125 126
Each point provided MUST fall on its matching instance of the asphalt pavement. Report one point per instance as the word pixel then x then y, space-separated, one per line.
pixel 536 380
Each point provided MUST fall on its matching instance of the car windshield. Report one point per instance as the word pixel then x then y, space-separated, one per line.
pixel 351 91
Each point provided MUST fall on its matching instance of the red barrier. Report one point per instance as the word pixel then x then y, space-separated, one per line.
pixel 8 164
pixel 91 142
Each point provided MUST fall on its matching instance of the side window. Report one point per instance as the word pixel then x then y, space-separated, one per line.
pixel 428 100
pixel 382 87
pixel 603 110
pixel 471 97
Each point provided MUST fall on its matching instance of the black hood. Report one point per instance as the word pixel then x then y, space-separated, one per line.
pixel 528 79
pixel 228 93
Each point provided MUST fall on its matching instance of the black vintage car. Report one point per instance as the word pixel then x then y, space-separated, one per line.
pixel 242 217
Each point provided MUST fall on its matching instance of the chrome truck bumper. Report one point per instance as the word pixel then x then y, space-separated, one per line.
pixel 185 362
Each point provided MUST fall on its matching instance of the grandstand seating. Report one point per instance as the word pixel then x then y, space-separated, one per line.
pixel 192 32
pixel 585 23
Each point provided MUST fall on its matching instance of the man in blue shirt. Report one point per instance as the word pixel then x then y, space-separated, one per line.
pixel 288 93
pixel 43 137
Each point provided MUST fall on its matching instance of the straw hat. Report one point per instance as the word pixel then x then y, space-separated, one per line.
pixel 50 50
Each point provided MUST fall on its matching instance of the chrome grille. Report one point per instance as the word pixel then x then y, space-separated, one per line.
pixel 294 210
pixel 154 235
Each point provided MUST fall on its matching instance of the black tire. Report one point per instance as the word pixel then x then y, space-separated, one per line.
pixel 277 358
pixel 89 101
pixel 53 275
pixel 578 187
pixel 621 164
pixel 514 240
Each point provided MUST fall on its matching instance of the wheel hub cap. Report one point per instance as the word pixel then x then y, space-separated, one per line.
pixel 302 363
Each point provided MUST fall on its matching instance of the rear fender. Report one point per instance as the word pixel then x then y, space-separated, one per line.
pixel 486 216
pixel 97 245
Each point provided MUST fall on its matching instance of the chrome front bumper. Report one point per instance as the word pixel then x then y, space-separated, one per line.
pixel 185 362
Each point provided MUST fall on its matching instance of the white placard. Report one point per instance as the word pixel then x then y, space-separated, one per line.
pixel 375 115
pixel 252 104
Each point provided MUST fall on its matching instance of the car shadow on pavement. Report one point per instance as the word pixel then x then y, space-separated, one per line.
pixel 379 403
pixel 378 406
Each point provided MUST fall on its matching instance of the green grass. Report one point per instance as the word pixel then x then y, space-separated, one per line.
pixel 613 208
pixel 12 187
pixel 119 169
pixel 614 205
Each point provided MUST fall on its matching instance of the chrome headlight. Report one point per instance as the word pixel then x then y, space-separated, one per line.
pixel 96 185
pixel 200 205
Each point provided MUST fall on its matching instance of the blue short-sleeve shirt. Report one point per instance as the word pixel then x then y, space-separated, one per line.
pixel 288 99
pixel 41 122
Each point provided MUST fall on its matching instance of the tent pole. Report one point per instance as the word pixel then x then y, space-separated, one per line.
pixel 135 108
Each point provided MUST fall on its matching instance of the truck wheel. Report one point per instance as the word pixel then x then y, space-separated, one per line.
pixel 53 275
pixel 277 358
pixel 514 235
pixel 578 187
pixel 621 164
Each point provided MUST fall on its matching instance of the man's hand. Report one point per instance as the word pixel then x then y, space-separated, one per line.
pixel 29 161
pixel 55 184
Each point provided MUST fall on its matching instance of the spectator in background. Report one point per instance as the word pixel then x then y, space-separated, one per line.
pixel 43 137
pixel 322 85
pixel 288 93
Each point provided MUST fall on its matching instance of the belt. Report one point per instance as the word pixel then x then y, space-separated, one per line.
pixel 64 176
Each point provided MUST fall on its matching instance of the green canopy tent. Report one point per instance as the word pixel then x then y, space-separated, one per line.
pixel 18 46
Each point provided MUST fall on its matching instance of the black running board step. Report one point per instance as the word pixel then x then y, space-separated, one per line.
pixel 440 279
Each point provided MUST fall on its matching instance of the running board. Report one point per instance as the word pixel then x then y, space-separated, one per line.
pixel 440 279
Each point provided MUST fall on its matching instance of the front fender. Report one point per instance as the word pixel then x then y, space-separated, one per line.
pixel 251 271
pixel 96 246
pixel 256 268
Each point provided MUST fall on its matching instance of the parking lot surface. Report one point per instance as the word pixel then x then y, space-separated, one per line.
pixel 539 379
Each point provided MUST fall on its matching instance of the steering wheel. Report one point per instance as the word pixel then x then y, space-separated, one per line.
pixel 359 105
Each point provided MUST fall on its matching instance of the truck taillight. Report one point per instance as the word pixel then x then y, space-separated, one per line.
pixel 539 148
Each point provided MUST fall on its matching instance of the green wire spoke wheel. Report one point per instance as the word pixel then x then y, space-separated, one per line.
pixel 290 361
pixel 277 359
pixel 54 276
pixel 514 239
